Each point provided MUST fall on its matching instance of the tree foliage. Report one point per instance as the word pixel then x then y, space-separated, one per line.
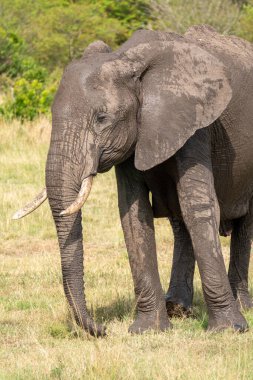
pixel 134 14
pixel 62 33
pixel 245 27
pixel 11 47
pixel 27 91
pixel 179 15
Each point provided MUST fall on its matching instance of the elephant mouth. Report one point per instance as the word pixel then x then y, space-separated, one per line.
pixel 104 167
pixel 110 158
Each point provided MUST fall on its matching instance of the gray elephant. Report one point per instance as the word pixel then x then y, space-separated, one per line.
pixel 174 115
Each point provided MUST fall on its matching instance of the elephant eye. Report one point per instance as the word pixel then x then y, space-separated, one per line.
pixel 101 117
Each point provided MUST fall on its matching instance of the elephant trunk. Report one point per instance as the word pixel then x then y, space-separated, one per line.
pixel 62 190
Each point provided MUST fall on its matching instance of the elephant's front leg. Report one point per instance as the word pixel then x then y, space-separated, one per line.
pixel 200 211
pixel 239 260
pixel 137 222
pixel 180 293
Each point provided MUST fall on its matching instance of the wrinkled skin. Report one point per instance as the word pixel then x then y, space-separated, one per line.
pixel 179 296
pixel 174 119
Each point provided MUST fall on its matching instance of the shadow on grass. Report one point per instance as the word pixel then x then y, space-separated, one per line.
pixel 124 308
pixel 9 327
pixel 120 309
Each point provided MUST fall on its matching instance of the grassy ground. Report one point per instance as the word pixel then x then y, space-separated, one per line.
pixel 38 340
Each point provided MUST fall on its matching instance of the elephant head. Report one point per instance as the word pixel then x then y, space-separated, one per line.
pixel 147 98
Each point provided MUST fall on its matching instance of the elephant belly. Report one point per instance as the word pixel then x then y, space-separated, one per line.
pixel 161 181
pixel 232 161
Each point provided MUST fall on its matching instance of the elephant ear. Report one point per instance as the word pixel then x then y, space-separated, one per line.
pixel 183 88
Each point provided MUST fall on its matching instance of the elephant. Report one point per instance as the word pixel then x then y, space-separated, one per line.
pixel 173 114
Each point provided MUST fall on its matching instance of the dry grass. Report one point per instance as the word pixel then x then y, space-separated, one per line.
pixel 37 337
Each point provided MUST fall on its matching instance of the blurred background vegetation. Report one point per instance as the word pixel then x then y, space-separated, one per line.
pixel 38 38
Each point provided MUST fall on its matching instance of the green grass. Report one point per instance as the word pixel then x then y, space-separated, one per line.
pixel 38 339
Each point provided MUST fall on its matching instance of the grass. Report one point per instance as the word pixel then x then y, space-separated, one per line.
pixel 38 339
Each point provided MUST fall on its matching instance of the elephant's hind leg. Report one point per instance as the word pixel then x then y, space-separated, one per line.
pixel 200 210
pixel 239 260
pixel 180 293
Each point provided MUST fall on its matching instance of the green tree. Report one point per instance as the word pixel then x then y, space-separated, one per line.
pixel 11 50
pixel 134 14
pixel 62 33
pixel 245 27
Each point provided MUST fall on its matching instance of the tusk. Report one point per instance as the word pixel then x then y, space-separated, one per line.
pixel 31 206
pixel 81 198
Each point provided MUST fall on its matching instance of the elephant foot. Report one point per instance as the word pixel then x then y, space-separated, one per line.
pixel 175 310
pixel 178 307
pixel 229 318
pixel 93 328
pixel 244 301
pixel 156 320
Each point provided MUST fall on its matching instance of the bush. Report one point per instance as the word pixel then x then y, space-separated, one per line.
pixel 245 27
pixel 30 98
pixel 26 84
